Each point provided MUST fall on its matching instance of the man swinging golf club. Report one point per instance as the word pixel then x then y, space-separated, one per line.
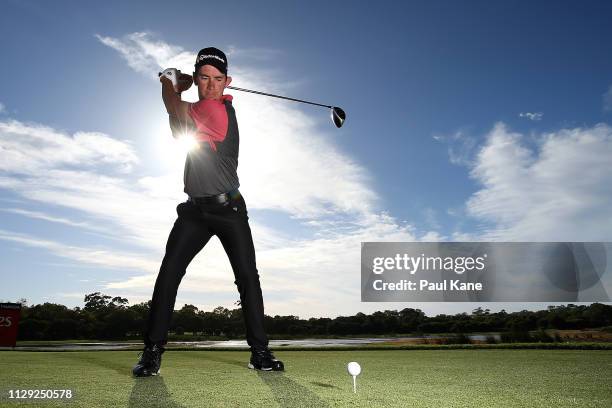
pixel 215 207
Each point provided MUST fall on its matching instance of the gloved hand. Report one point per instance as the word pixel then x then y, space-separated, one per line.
pixel 180 81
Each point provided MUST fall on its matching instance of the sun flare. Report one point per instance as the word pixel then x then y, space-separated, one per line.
pixel 172 150
pixel 186 142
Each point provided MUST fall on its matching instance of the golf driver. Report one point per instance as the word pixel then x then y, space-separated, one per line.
pixel 337 115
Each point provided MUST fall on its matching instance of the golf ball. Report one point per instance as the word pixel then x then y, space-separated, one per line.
pixel 353 368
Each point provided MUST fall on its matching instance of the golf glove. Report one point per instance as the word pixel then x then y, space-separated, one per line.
pixel 172 74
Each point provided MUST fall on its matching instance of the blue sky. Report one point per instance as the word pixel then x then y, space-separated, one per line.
pixel 466 121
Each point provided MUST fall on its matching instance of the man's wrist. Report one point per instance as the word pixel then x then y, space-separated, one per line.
pixel 168 86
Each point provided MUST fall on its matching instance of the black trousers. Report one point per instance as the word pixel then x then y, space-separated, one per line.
pixel 195 225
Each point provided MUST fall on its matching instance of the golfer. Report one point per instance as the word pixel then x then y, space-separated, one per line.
pixel 215 207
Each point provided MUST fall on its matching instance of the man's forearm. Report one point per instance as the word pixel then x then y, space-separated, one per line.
pixel 180 121
pixel 171 97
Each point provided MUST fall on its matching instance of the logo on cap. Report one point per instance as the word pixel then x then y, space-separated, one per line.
pixel 202 57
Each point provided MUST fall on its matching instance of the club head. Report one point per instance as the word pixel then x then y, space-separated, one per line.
pixel 338 116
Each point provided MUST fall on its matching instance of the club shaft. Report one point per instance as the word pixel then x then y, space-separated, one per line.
pixel 277 96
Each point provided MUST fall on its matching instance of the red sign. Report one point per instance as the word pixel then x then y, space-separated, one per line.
pixel 9 321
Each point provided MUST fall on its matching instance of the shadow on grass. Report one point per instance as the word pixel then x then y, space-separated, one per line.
pixel 324 385
pixel 288 393
pixel 146 392
pixel 98 359
pixel 151 392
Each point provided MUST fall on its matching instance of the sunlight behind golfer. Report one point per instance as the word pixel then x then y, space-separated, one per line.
pixel 186 142
pixel 172 151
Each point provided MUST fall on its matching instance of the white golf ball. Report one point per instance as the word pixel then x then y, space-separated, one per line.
pixel 354 368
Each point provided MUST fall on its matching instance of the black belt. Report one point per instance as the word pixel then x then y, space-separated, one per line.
pixel 216 199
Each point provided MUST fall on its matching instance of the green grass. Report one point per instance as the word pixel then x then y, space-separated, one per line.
pixel 390 378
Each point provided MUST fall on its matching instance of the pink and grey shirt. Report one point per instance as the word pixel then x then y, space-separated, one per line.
pixel 211 168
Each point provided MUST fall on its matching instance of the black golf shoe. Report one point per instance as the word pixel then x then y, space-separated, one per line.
pixel 263 359
pixel 149 363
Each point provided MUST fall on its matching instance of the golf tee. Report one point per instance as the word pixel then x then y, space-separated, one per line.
pixel 355 384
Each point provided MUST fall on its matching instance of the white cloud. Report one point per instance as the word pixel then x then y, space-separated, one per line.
pixel 101 256
pixel 559 192
pixel 50 218
pixel 146 56
pixel 32 149
pixel 535 116
pixel 87 172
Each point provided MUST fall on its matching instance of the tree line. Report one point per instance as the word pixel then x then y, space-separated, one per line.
pixel 106 317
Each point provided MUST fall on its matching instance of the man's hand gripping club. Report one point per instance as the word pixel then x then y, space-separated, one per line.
pixel 181 82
